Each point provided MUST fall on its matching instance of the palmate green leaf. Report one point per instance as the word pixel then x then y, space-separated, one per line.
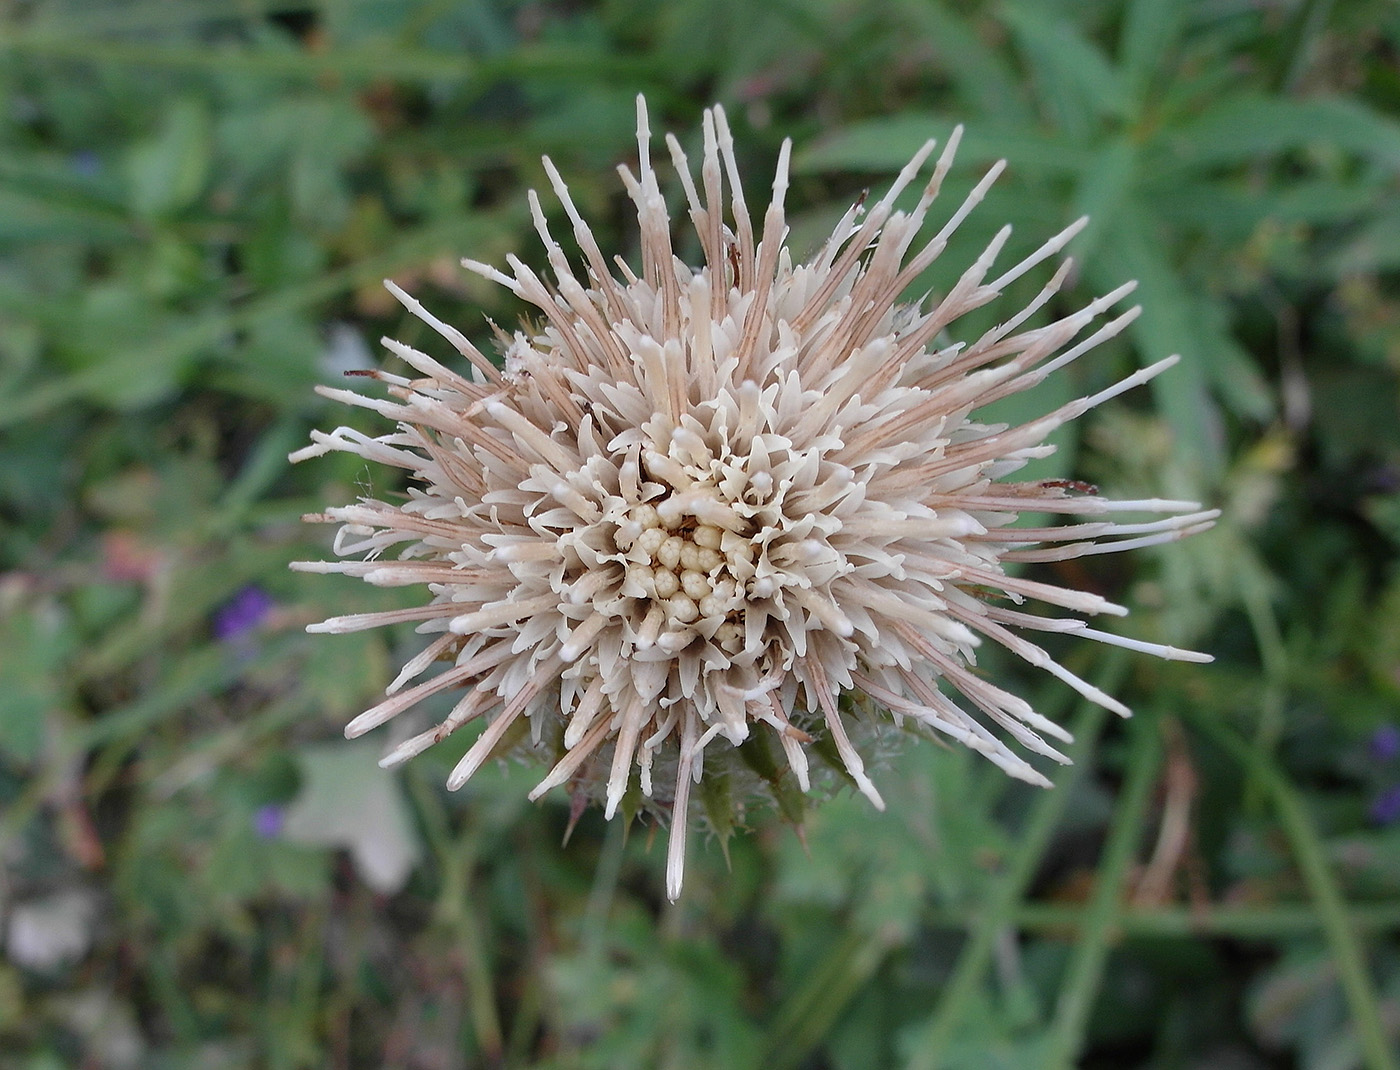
pixel 984 81
pixel 1168 324
pixel 1240 128
pixel 1151 30
pixel 1235 374
pixel 885 145
pixel 1077 82
pixel 1104 187
pixel 1230 211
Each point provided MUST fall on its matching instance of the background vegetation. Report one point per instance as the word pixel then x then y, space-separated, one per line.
pixel 198 199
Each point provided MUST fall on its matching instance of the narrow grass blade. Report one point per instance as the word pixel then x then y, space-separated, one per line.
pixel 1100 925
pixel 1331 907
pixel 933 1039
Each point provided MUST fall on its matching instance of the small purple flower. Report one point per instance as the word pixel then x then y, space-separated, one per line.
pixel 242 614
pixel 1385 742
pixel 268 820
pixel 1385 809
pixel 86 163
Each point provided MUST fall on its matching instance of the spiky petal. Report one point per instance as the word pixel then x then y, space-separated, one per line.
pixel 703 503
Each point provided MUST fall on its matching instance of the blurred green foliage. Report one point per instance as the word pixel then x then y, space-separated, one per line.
pixel 197 202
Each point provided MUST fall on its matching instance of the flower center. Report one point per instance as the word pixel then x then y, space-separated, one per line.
pixel 695 574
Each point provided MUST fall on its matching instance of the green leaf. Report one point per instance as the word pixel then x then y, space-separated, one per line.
pixel 930 1040
pixel 876 145
pixel 757 753
pixel 806 1016
pixel 1168 324
pixel 35 645
pixel 1085 972
pixel 982 75
pixel 150 16
pixel 168 172
pixel 1075 78
pixel 1241 128
pixel 1231 211
pixel 27 216
pixel 336 133
pixel 1375 246
pixel 1310 853
pixel 102 345
pixel 885 145
pixel 1151 29
pixel 1104 186
pixel 137 373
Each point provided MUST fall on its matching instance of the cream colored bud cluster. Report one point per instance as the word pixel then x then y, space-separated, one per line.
pixel 693 572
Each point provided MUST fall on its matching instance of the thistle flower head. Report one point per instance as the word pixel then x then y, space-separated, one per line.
pixel 705 509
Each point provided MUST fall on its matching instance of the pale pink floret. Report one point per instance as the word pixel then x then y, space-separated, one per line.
pixel 699 503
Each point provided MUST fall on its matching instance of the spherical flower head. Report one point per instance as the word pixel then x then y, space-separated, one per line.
pixel 733 514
